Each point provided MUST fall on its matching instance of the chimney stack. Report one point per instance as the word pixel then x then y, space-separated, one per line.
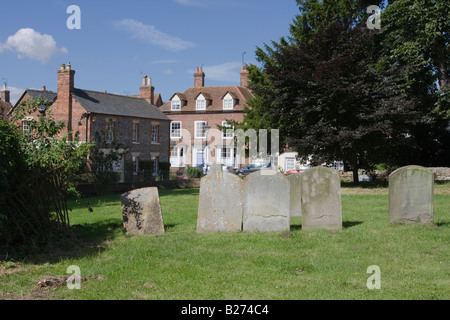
pixel 199 78
pixel 44 88
pixel 244 77
pixel 5 94
pixel 147 90
pixel 63 109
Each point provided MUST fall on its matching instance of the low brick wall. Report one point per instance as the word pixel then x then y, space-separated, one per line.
pixel 91 190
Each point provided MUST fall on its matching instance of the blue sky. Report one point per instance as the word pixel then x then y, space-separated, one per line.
pixel 120 41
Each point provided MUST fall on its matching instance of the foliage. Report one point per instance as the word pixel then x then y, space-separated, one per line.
pixel 37 173
pixel 415 37
pixel 193 172
pixel 13 166
pixel 147 167
pixel 164 169
pixel 102 157
pixel 337 90
pixel 45 147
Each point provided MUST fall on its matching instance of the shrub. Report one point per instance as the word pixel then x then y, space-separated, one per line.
pixel 193 173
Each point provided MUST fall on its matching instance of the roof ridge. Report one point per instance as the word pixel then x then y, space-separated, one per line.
pixel 109 93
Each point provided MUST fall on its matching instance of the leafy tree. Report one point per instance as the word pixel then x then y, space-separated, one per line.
pixel 43 145
pixel 37 173
pixel 332 105
pixel 337 90
pixel 415 37
pixel 103 155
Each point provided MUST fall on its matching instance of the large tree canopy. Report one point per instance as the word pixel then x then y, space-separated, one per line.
pixel 340 91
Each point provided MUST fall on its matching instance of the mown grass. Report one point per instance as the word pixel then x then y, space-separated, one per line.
pixel 179 265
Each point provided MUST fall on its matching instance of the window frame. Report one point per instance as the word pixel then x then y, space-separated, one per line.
pixel 153 134
pixel 171 130
pixel 227 102
pixel 172 105
pixel 136 133
pixel 203 129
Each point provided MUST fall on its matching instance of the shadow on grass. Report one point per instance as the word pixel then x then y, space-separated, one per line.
pixel 345 225
pixel 81 240
pixel 170 226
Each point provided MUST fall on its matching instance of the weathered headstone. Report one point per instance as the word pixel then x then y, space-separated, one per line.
pixel 266 202
pixel 141 211
pixel 215 167
pixel 220 203
pixel 411 195
pixel 296 194
pixel 321 199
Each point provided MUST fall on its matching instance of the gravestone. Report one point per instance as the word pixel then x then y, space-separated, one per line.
pixel 266 202
pixel 296 194
pixel 215 167
pixel 321 199
pixel 220 203
pixel 141 211
pixel 411 195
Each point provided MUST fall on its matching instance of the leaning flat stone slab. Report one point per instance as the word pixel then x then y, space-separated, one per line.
pixel 321 199
pixel 220 203
pixel 266 202
pixel 296 194
pixel 141 211
pixel 411 195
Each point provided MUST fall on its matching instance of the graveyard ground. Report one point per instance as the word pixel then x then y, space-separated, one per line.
pixel 179 265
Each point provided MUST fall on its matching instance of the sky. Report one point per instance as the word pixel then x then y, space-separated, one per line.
pixel 118 42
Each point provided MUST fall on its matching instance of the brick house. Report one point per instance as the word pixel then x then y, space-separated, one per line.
pixel 195 115
pixel 134 121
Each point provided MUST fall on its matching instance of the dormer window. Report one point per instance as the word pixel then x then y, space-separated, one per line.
pixel 176 105
pixel 201 104
pixel 202 101
pixel 228 102
pixel 177 102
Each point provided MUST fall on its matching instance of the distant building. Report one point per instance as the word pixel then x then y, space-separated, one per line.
pixel 5 104
pixel 134 121
pixel 198 110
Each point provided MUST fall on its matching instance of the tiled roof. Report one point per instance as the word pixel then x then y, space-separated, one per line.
pixel 215 94
pixel 112 104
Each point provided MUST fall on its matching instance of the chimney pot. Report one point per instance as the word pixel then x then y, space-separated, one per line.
pixel 199 78
pixel 44 88
pixel 63 67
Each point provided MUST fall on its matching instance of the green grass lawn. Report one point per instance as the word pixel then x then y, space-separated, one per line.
pixel 179 265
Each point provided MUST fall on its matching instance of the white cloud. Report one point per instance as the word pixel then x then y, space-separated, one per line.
pixel 32 44
pixel 167 71
pixel 149 34
pixel 228 71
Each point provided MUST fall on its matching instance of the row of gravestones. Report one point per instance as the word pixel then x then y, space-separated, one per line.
pixel 265 202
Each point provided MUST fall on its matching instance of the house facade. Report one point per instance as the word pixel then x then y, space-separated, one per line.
pixel 133 121
pixel 199 117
